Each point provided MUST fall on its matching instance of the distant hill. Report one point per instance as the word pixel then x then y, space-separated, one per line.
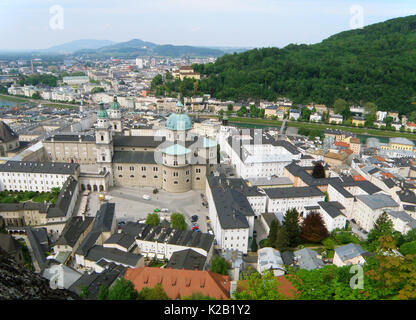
pixel 137 47
pixel 76 45
pixel 376 63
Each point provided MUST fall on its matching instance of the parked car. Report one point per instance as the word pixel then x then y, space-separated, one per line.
pixel 164 210
pixel 207 217
pixel 254 233
pixel 195 228
pixel 194 218
pixel 146 197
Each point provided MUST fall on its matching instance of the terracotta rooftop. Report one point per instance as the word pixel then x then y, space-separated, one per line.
pixel 342 144
pixel 358 178
pixel 387 175
pixel 379 158
pixel 179 283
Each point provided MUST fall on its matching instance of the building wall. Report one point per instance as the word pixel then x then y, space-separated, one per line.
pixel 78 152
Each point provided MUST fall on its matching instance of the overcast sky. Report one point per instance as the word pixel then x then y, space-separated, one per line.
pixel 28 24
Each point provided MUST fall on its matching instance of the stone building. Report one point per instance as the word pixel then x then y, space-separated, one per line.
pixel 177 162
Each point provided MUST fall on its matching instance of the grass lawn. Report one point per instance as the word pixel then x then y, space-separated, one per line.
pixel 45 103
pixel 16 197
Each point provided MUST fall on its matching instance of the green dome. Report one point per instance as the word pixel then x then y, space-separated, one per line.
pixel 102 114
pixel 115 105
pixel 179 121
pixel 179 104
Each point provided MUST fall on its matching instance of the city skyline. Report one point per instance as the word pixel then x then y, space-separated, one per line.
pixel 228 23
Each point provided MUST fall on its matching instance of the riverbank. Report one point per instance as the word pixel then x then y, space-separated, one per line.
pixel 45 103
pixel 320 126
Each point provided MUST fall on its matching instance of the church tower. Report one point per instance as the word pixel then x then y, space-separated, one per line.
pixel 115 117
pixel 104 140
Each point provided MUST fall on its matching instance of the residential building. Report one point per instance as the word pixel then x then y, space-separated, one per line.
pixel 349 254
pixel 181 283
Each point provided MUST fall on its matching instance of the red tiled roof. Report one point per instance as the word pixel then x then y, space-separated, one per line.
pixel 179 283
pixel 387 174
pixel 379 158
pixel 358 178
pixel 342 144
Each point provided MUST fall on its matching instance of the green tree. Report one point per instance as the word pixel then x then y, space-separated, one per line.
pixel 177 221
pixel 197 296
pixel 274 226
pixel 155 293
pixel 292 227
pixel 282 240
pixel 153 219
pixel 254 246
pixel 122 290
pixel 408 248
pixel 339 106
pixel 382 227
pixel 84 292
pixel 219 265
pixel 97 90
pixel 36 95
pixel 255 286
pixel 103 292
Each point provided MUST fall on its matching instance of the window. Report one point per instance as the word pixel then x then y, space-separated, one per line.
pixel 143 168
pixel 155 177
pixel 131 168
pixel 120 176
pixel 175 174
pixel 144 177
pixel 103 158
pixel 102 138
pixel 175 162
pixel 175 182
pixel 155 169
pixel 198 170
pixel 120 168
pixel 132 176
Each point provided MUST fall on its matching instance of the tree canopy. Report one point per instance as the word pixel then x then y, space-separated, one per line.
pixel 153 219
pixel 292 227
pixel 313 228
pixel 177 221
pixel 219 265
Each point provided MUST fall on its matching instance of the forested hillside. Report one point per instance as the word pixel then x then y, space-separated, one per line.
pixel 376 63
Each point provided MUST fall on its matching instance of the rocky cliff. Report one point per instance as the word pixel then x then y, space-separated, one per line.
pixel 16 282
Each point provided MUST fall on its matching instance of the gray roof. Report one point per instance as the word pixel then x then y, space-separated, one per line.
pixel 122 239
pixel 187 259
pixel 401 141
pixel 94 280
pixel 407 196
pixel 403 216
pixel 39 167
pixel 232 206
pixel 72 138
pixel 160 234
pixel 333 208
pixel 9 244
pixel 137 141
pixel 293 192
pixel 307 259
pixel 270 181
pixel 42 207
pixel 103 222
pixel 378 201
pixel 73 229
pixel 300 172
pixel 134 157
pixel 37 248
pixel 7 134
pixel 61 206
pixel 97 253
pixel 349 251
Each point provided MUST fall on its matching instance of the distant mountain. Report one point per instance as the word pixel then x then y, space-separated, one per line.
pixel 71 47
pixel 373 64
pixel 137 47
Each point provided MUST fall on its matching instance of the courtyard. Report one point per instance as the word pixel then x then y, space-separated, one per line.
pixel 130 205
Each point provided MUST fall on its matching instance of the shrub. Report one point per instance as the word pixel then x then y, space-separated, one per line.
pixel 329 243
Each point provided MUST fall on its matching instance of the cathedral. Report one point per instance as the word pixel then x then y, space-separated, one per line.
pixel 177 162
